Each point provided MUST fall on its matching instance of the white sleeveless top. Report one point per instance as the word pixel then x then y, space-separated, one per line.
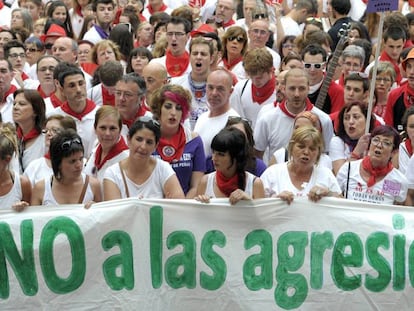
pixel 15 194
pixel 212 180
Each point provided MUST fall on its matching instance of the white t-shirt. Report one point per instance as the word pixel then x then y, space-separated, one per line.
pixel 91 170
pixel 403 158
pixel 152 188
pixel 338 150
pixel 38 170
pixel 276 180
pixel 291 27
pixel 14 195
pixel 393 187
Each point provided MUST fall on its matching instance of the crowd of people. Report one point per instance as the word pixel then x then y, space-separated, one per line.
pixel 237 99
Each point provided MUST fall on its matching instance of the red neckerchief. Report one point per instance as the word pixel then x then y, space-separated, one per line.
pixel 56 102
pixel 375 172
pixel 225 184
pixel 107 99
pixel 386 58
pixel 115 150
pixel 409 146
pixel 176 65
pixel 47 155
pixel 151 10
pixel 41 93
pixel 408 92
pixel 261 94
pixel 90 105
pixel 141 111
pixel 78 11
pixel 89 67
pixel 196 3
pixel 341 80
pixel 24 76
pixel 229 23
pixel 229 66
pixel 172 149
pixel 11 90
pixel 282 107
pixel 380 110
pixel 1 5
pixel 33 133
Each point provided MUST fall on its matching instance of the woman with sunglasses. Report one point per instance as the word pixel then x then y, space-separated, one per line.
pixel 178 146
pixel 230 180
pixel 41 168
pixel 68 184
pixel 141 175
pixel 373 178
pixel 29 116
pixel 234 47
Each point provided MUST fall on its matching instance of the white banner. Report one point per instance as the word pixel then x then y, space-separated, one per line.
pixel 184 255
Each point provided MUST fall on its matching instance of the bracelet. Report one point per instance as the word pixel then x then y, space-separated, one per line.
pixel 355 156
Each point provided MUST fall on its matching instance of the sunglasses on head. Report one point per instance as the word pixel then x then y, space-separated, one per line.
pixel 146 119
pixel 67 144
pixel 239 39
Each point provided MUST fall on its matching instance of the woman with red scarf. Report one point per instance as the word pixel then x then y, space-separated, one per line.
pixel 406 147
pixel 230 180
pixel 112 147
pixel 29 116
pixel 373 178
pixel 179 146
pixel 234 48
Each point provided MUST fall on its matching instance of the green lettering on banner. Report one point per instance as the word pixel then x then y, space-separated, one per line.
pixel 66 226
pixel 156 220
pixel 23 266
pixel 213 260
pixel 186 260
pixel 347 252
pixel 320 242
pixel 291 282
pixel 398 283
pixel 263 260
pixel 123 261
pixel 411 264
pixel 377 261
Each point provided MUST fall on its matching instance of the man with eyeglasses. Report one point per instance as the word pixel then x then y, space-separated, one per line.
pixel 224 13
pixel 6 91
pixel 129 100
pixel 293 22
pixel 77 106
pixel 314 60
pixel 274 128
pixel 15 53
pixel 258 36
pixel 105 14
pixel 353 58
pixel 176 59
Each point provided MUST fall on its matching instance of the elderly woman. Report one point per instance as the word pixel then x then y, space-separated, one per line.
pixel 373 178
pixel 230 180
pixel 104 51
pixel 67 185
pixel 141 175
pixel 112 147
pixel 351 142
pixel 178 146
pixel 234 47
pixel 301 176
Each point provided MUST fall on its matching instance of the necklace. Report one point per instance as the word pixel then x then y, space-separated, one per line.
pixel 198 89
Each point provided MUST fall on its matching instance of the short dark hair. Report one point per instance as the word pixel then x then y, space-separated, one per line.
pixel 138 80
pixel 176 20
pixel 139 51
pixel 96 2
pixel 148 123
pixel 387 130
pixel 314 49
pixel 38 105
pixel 341 127
pixel 356 76
pixel 395 33
pixel 12 44
pixel 70 70
pixel 341 6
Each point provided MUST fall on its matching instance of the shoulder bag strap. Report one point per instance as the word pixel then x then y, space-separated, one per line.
pixel 85 185
pixel 123 178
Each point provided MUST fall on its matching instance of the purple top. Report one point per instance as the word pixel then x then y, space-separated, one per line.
pixel 192 160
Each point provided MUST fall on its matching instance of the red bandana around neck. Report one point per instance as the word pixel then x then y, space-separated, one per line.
pixel 386 58
pixel 151 10
pixel 409 146
pixel 33 133
pixel 261 94
pixel 172 149
pixel 283 107
pixel 408 93
pixel 141 111
pixel 90 105
pixel 115 150
pixel 229 23
pixel 225 184
pixel 11 90
pixel 1 5
pixel 375 172
pixel 230 65
pixel 107 99
pixel 56 102
pixel 176 65
pixel 78 11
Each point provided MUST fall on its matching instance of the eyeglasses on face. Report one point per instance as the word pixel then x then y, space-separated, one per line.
pixel 313 65
pixel 52 131
pixel 146 119
pixel 15 55
pixel 376 141
pixel 32 50
pixel 288 45
pixel 383 79
pixel 67 144
pixel 239 39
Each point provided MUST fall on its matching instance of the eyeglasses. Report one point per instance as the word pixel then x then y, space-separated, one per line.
pixel 260 32
pixel 316 66
pixel 15 55
pixel 239 39
pixel 146 119
pixel 362 75
pixel 67 144
pixel 81 52
pixel 260 16
pixel 32 50
pixel 376 141
pixel 177 34
pixel 127 95
pixel 236 119
pixel 44 69
pixel 288 45
pixel 48 46
pixel 382 79
pixel 52 131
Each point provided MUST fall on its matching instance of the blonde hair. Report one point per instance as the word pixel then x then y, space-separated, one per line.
pixel 304 133
pixel 104 44
pixel 8 141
